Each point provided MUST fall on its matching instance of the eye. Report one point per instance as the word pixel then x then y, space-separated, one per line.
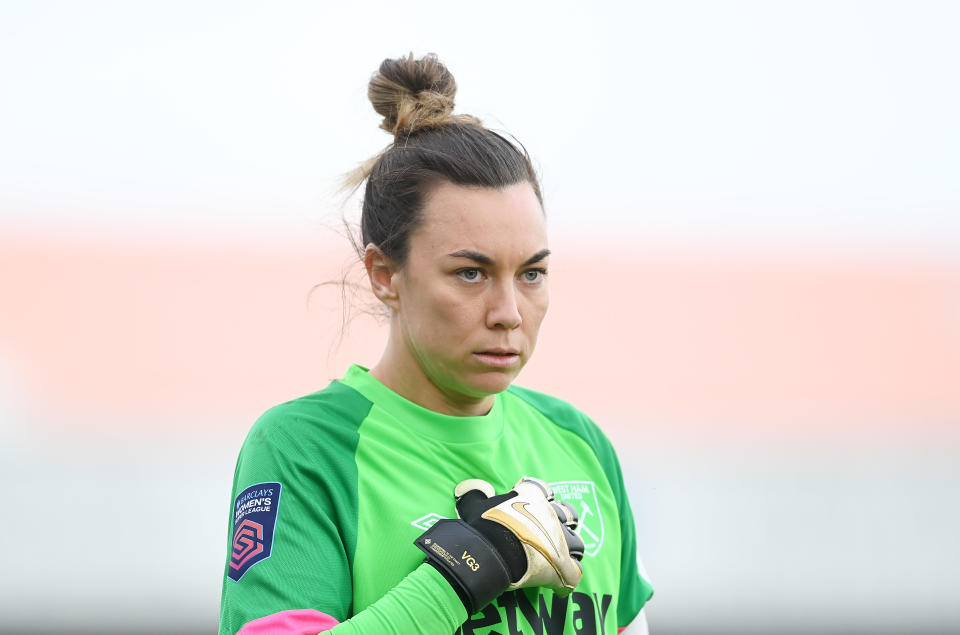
pixel 470 275
pixel 534 275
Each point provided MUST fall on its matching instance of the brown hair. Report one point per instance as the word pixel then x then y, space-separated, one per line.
pixel 431 144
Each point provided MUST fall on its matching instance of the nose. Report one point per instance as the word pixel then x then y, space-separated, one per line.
pixel 503 310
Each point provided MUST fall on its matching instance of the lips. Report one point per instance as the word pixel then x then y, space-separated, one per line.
pixel 498 357
pixel 500 351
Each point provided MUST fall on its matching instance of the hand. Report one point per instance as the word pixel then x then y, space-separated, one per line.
pixel 518 539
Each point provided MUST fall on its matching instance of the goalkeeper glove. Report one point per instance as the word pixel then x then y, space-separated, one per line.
pixel 522 538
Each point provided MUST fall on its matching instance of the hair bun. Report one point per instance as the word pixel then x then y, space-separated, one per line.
pixel 414 93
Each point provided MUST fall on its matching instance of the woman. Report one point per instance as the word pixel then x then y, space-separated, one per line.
pixel 427 494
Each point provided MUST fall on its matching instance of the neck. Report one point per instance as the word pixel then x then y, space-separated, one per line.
pixel 399 371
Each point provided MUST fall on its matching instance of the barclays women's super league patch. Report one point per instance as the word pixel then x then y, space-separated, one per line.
pixel 254 519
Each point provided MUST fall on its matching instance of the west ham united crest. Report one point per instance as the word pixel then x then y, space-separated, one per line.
pixel 582 495
pixel 254 521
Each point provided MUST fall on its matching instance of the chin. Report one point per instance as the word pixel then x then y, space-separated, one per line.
pixel 491 383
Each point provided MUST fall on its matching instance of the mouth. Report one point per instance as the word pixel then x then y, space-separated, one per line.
pixel 499 357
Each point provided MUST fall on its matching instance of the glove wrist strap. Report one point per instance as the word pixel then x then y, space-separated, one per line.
pixel 466 560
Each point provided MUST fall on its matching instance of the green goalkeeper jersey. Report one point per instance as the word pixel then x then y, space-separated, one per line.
pixel 331 490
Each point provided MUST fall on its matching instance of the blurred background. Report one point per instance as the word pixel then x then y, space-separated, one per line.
pixel 755 217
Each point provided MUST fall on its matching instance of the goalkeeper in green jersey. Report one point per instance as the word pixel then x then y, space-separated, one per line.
pixel 427 494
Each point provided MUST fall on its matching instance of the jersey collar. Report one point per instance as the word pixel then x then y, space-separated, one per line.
pixel 442 427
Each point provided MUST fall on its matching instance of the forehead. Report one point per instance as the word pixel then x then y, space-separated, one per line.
pixel 502 223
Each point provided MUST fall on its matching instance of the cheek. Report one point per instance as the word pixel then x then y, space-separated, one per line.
pixel 537 305
pixel 442 319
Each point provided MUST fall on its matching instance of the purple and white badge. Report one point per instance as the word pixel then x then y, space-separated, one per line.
pixel 254 521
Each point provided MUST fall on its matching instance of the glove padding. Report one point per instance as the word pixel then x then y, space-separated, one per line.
pixel 518 539
pixel 536 534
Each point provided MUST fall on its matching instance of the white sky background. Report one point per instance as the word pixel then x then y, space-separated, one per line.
pixel 782 123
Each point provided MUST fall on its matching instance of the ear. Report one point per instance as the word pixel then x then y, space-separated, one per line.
pixel 380 272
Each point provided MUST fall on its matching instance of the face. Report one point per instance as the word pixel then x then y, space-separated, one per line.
pixel 473 292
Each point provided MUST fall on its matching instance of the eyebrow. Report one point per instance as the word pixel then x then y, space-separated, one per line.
pixel 483 259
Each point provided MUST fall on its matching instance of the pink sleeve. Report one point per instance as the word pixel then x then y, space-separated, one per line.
pixel 295 622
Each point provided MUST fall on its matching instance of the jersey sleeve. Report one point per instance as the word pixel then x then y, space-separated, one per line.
pixel 635 591
pixel 292 535
pixel 296 555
